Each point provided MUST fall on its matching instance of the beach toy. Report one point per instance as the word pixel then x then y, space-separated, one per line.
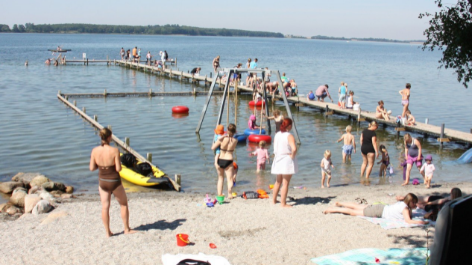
pixel 256 104
pixel 210 204
pixel 207 199
pixel 182 240
pixel 212 245
pixel 255 138
pixel 180 109
pixel 262 194
pixel 255 131
pixel 220 199
pixel 234 194
pixel 241 137
pixel 271 186
pixel 416 182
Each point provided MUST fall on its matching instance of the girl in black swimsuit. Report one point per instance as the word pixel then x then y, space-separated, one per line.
pixel 227 144
pixel 369 149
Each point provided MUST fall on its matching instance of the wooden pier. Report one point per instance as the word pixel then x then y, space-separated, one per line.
pixel 123 145
pixel 105 94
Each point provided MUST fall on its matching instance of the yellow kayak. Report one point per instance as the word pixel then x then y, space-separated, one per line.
pixel 138 179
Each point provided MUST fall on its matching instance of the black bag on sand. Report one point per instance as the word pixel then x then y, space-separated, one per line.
pixel 143 169
pixel 128 160
pixel 193 262
pixel 250 195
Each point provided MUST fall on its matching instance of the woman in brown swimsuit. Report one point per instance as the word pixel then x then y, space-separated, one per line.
pixel 227 144
pixel 107 160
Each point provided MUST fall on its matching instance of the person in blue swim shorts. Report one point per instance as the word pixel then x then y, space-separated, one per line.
pixel 349 144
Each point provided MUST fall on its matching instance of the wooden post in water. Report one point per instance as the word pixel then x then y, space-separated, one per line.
pixel 75 103
pixel 178 178
pixel 127 141
pixel 105 93
pixel 149 157
pixel 83 110
pixel 95 117
pixel 150 92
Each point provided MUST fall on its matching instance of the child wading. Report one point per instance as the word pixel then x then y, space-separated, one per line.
pixel 385 161
pixel 349 144
pixel 325 170
pixel 427 169
pixel 262 156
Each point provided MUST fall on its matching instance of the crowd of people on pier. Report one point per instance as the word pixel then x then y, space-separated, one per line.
pixel 134 55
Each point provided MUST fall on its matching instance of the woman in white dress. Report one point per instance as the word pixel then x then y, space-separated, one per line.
pixel 285 163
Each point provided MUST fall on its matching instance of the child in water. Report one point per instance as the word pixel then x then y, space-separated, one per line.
pixel 252 123
pixel 385 161
pixel 325 170
pixel 349 144
pixel 427 169
pixel 219 131
pixel 262 156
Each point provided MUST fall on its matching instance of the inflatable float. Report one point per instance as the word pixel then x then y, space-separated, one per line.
pixel 180 109
pixel 241 137
pixel 254 104
pixel 255 131
pixel 134 177
pixel 466 157
pixel 255 138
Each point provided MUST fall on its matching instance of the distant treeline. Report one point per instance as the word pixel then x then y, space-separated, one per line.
pixel 319 37
pixel 122 29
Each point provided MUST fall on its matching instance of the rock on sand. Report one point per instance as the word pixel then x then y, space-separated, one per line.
pixel 18 199
pixel 30 201
pixel 9 186
pixel 25 178
pixel 39 181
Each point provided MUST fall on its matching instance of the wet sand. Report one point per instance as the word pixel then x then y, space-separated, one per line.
pixel 244 231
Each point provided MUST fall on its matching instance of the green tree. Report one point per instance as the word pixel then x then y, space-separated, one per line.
pixel 450 31
pixel 22 28
pixel 15 28
pixel 4 28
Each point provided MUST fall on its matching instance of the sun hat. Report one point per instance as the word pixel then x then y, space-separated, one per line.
pixel 416 181
pixel 252 118
pixel 429 157
pixel 220 129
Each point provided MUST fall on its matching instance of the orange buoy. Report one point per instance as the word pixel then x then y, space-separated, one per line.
pixel 257 104
pixel 259 137
pixel 180 109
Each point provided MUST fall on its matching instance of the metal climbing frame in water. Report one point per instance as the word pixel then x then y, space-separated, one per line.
pixel 264 74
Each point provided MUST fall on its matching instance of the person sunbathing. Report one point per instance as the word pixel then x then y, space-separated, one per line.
pixel 398 211
pixel 430 202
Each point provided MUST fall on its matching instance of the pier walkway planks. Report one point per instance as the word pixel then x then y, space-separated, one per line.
pixel 422 128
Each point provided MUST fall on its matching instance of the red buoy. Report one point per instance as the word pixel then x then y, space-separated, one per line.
pixel 258 104
pixel 180 109
pixel 255 138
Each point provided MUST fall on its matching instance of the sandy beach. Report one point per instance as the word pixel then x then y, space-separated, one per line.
pixel 244 231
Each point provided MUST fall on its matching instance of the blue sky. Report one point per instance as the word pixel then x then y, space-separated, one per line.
pixel 394 19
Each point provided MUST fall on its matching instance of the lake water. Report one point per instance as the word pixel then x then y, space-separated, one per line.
pixel 40 134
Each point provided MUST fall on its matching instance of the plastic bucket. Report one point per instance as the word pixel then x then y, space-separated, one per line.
pixel 220 199
pixel 182 240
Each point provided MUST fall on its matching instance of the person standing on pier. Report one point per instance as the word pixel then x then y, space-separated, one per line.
pixel 322 92
pixel 139 55
pixel 148 58
pixel 135 53
pixel 405 93
pixel 216 63
pixel 106 159
pixel 248 75
pixel 122 53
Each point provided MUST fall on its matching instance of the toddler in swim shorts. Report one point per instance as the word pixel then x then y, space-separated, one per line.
pixel 349 144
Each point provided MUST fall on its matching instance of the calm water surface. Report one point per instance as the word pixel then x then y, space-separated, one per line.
pixel 40 134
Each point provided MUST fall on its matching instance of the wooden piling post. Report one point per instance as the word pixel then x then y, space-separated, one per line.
pixel 178 179
pixel 75 103
pixel 109 127
pixel 127 141
pixel 105 93
pixel 83 110
pixel 175 61
pixel 87 61
pixel 150 92
pixel 149 157
pixel 95 118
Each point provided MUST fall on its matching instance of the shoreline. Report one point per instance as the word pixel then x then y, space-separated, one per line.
pixel 244 231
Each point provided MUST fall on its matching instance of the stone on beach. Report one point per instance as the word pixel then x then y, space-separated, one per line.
pixel 19 189
pixel 30 201
pixel 51 186
pixel 13 210
pixel 18 199
pixel 43 206
pixel 25 178
pixel 69 189
pixel 34 189
pixel 46 196
pixel 2 207
pixel 56 193
pixel 9 186
pixel 39 181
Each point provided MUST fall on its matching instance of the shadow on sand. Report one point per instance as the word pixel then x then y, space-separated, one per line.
pixel 313 200
pixel 161 225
